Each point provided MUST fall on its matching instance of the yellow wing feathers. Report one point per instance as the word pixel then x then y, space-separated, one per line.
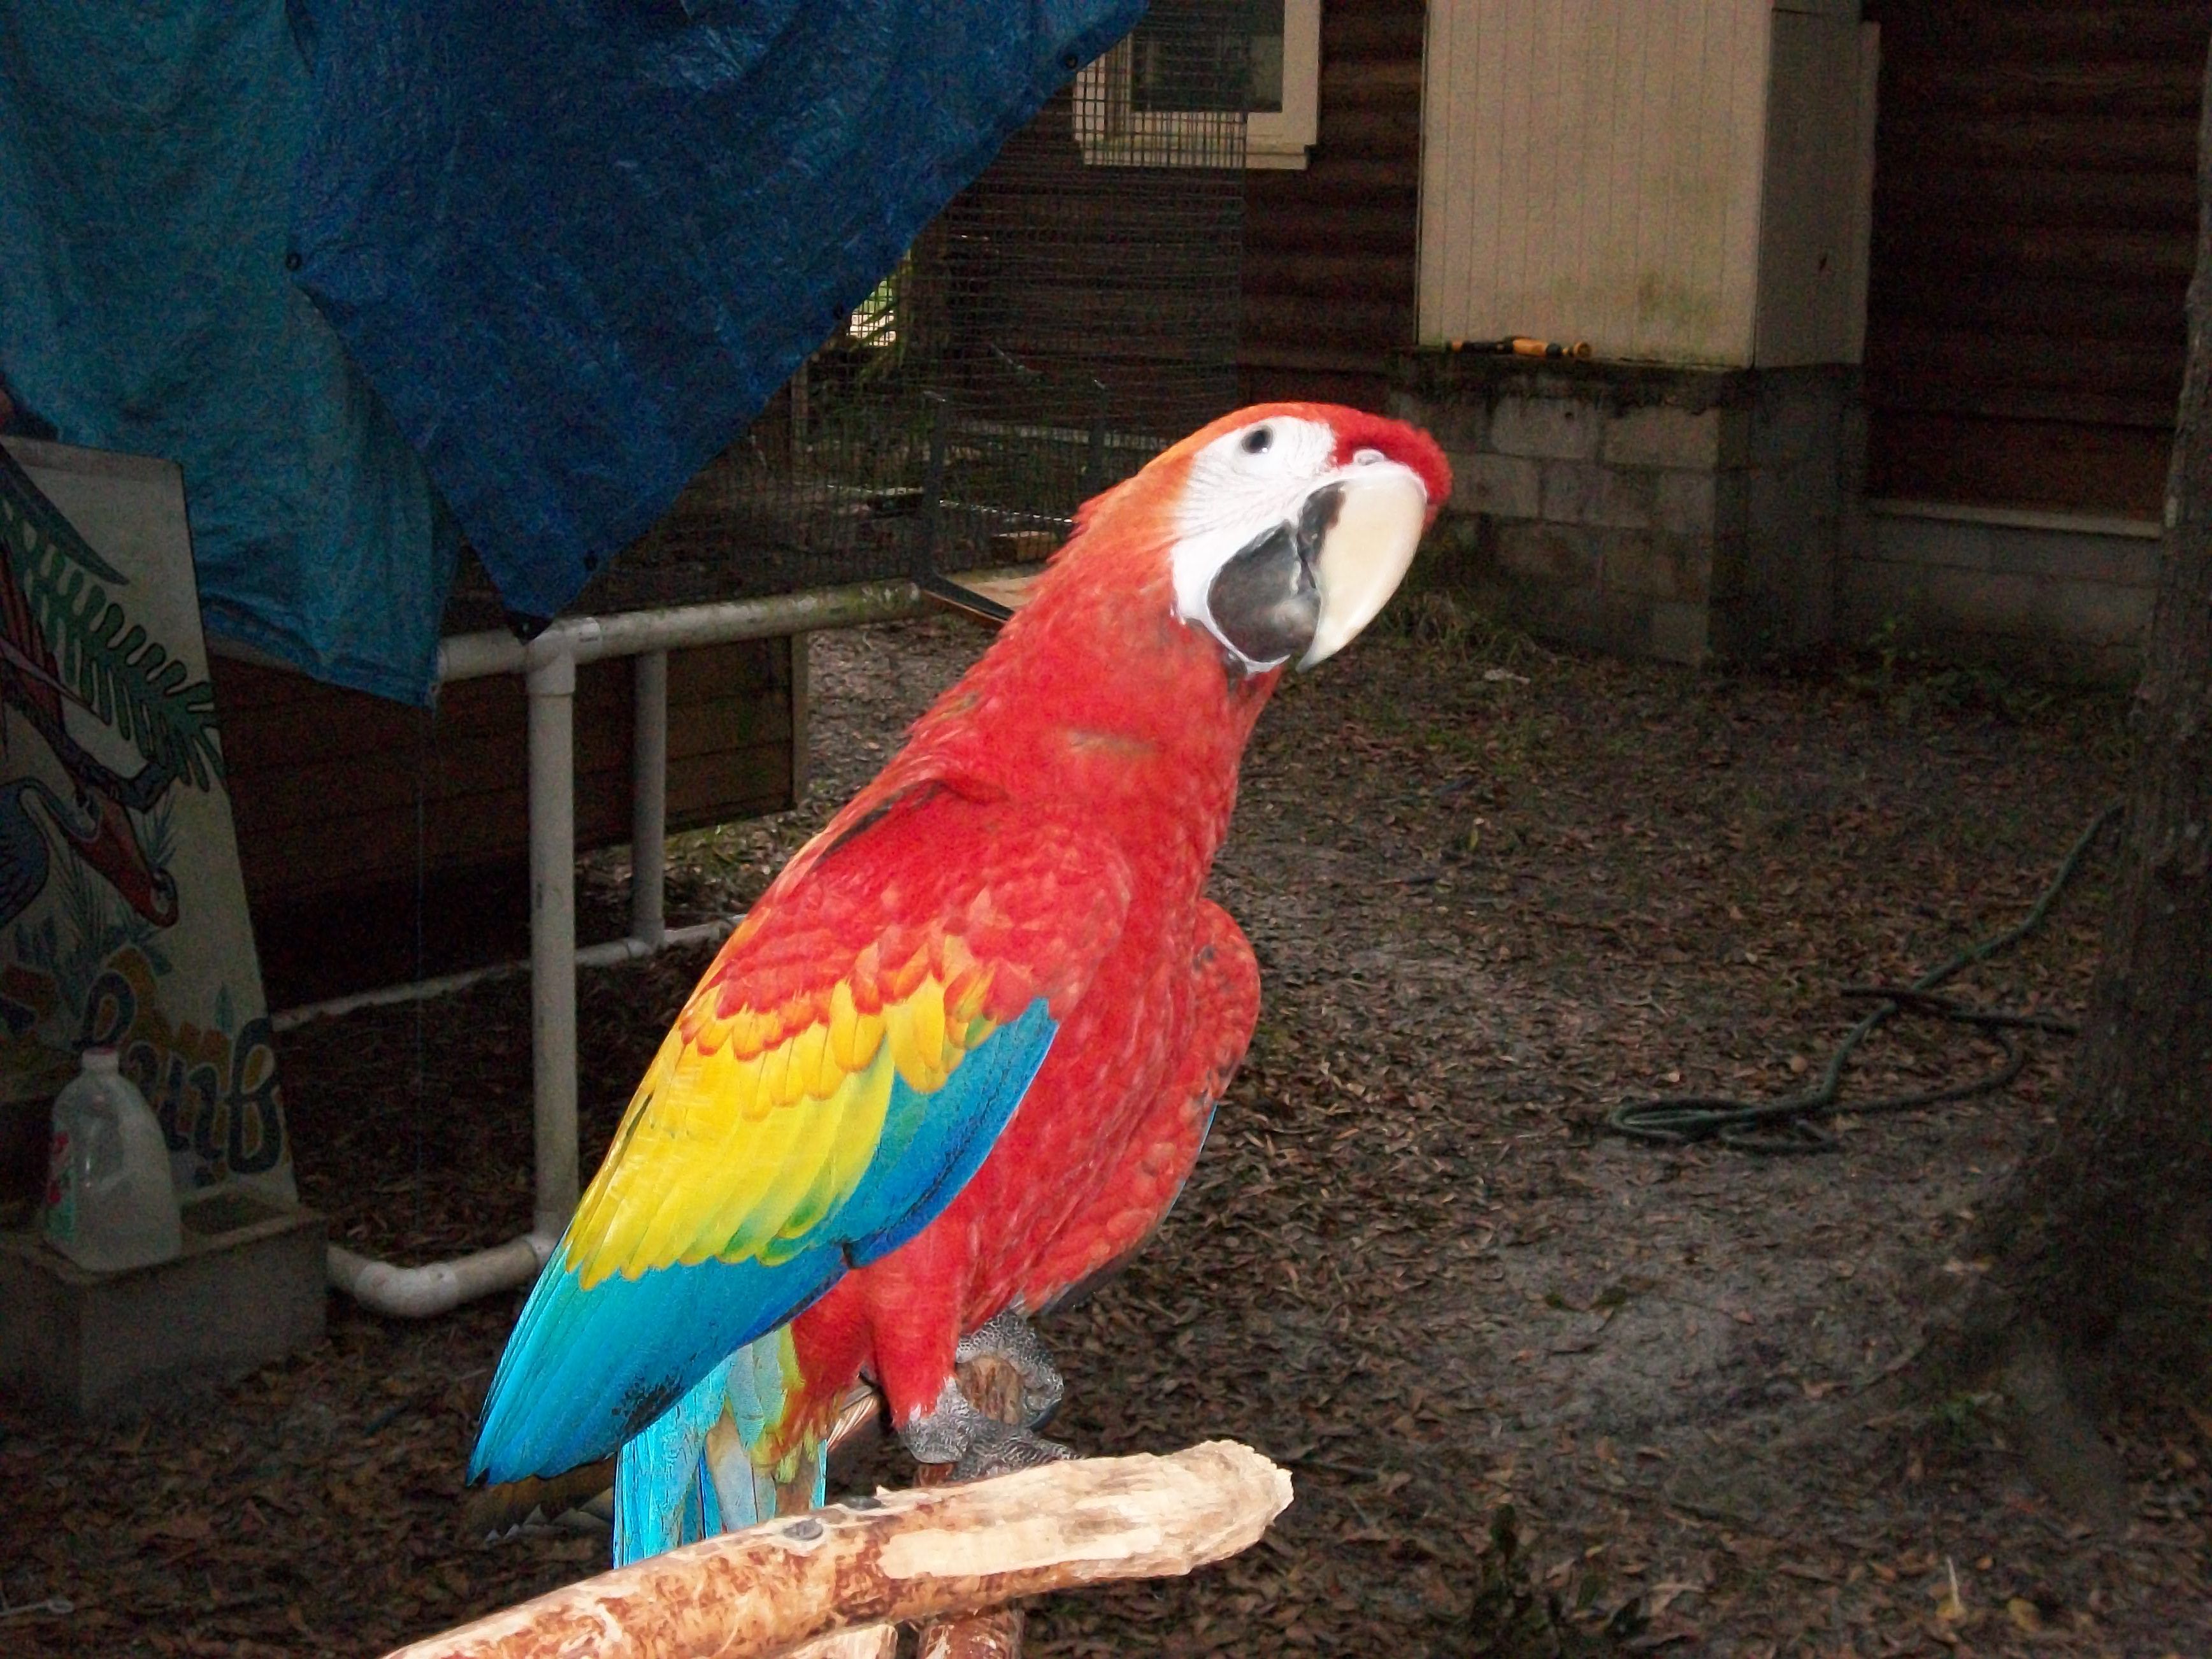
pixel 754 1124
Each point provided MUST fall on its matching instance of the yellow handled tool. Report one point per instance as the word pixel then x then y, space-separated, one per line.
pixel 1520 346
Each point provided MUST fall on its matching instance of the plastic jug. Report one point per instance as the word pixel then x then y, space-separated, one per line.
pixel 109 1202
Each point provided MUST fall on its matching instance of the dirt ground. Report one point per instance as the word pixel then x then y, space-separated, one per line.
pixel 1543 1390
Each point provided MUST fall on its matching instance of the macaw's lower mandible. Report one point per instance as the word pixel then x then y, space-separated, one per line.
pixel 960 1058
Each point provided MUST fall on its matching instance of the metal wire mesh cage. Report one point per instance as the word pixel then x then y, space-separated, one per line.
pixel 1071 312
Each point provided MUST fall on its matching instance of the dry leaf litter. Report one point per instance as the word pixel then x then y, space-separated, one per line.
pixel 1543 1391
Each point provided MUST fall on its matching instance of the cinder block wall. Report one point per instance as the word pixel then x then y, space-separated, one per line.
pixel 2062 596
pixel 1680 513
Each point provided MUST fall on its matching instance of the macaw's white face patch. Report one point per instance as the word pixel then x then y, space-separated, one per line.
pixel 1281 552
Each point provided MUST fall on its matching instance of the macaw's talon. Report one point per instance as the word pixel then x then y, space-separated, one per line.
pixel 974 1443
pixel 941 1434
pixel 1010 1337
pixel 1001 1449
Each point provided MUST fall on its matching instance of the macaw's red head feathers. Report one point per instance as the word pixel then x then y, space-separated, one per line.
pixel 1285 526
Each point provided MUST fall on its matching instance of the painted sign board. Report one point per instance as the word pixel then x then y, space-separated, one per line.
pixel 123 917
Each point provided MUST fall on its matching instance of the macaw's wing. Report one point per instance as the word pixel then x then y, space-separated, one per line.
pixel 840 1071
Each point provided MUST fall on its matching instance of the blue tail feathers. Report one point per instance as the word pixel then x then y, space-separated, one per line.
pixel 695 1469
pixel 662 1497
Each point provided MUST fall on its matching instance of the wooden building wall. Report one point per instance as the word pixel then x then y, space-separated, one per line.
pixel 1048 276
pixel 2035 220
pixel 344 802
pixel 1329 250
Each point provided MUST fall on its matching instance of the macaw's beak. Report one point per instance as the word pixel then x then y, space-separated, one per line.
pixel 1306 587
pixel 1373 522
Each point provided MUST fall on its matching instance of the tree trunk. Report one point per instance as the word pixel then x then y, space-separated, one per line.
pixel 2102 1244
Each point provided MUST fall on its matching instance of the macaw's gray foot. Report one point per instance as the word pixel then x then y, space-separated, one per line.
pixel 976 1446
pixel 1009 1338
pixel 1001 1449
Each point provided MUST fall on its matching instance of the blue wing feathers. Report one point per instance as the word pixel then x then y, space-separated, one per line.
pixel 586 1370
pixel 959 1125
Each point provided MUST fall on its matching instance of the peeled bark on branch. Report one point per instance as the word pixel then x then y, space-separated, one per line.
pixel 869 1642
pixel 761 1592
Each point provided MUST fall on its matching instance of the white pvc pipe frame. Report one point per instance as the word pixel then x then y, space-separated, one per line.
pixel 549 664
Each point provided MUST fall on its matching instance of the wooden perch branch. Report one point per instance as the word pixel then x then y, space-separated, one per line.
pixel 903 1556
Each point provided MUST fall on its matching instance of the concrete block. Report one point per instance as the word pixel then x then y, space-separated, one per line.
pixel 1623 624
pixel 248 1288
pixel 1550 428
pixel 1783 499
pixel 1455 423
pixel 1678 632
pixel 2125 560
pixel 1750 628
pixel 1797 423
pixel 1657 435
pixel 1727 558
pixel 1851 448
pixel 1810 615
pixel 1790 580
pixel 1871 594
pixel 1577 616
pixel 1980 602
pixel 2091 614
pixel 1581 492
pixel 1504 486
pixel 1659 566
pixel 1559 556
pixel 1454 535
pixel 1786 557
pixel 1795 569
pixel 1961 545
pixel 1686 503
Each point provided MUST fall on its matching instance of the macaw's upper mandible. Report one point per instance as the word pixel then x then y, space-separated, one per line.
pixel 958 1060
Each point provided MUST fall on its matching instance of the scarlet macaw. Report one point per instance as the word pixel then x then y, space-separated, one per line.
pixel 960 1056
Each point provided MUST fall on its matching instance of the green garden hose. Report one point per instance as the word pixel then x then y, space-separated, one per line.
pixel 1792 1123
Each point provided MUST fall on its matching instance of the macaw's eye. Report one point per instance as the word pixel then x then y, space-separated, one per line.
pixel 1258 439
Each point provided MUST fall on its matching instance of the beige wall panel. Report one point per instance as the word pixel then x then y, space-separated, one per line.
pixel 1591 170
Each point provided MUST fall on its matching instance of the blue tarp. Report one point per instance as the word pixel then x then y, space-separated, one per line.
pixel 577 244
pixel 573 246
pixel 146 159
